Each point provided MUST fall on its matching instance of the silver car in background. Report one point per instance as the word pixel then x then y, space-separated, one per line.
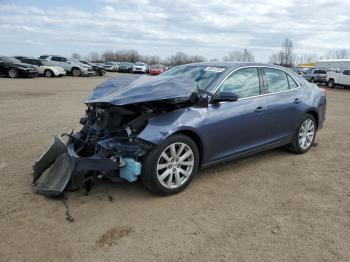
pixel 140 68
pixel 70 65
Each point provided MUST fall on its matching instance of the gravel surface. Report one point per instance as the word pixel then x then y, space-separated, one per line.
pixel 274 206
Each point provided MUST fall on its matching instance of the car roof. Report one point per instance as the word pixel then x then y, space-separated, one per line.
pixel 233 65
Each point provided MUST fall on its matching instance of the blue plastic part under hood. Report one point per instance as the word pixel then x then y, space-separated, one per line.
pixel 130 89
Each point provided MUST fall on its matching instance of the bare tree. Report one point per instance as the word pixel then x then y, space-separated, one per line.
pixel 76 56
pixel 93 56
pixel 239 56
pixel 285 56
pixel 287 52
pixel 305 58
pixel 108 55
pixel 337 54
pixel 181 58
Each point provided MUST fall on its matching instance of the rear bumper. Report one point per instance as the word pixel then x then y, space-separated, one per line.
pixel 322 112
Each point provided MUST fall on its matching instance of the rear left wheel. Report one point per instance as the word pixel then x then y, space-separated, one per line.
pixel 76 72
pixel 304 136
pixel 170 167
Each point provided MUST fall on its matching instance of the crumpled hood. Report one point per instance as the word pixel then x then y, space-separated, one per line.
pixel 131 89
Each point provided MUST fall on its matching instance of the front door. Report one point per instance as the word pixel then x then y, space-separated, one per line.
pixel 236 127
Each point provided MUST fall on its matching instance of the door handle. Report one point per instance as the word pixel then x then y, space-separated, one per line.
pixel 259 109
pixel 297 101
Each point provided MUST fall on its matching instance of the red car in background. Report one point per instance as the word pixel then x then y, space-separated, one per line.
pixel 157 69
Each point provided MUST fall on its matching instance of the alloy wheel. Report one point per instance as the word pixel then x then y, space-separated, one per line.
pixel 48 73
pixel 175 165
pixel 306 134
pixel 13 73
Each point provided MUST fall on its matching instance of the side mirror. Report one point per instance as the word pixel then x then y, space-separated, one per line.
pixel 225 97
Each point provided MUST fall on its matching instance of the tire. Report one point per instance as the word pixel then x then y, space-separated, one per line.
pixel 76 72
pixel 174 179
pixel 331 83
pixel 13 73
pixel 302 140
pixel 48 73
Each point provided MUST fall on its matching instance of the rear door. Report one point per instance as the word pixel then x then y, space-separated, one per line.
pixel 284 102
pixel 60 61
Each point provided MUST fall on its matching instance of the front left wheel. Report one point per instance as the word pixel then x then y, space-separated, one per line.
pixel 170 167
pixel 13 73
pixel 48 73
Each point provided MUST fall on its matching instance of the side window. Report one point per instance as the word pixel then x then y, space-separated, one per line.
pixel 291 82
pixel 276 80
pixel 244 82
pixel 323 72
pixel 63 59
pixel 346 72
pixel 56 58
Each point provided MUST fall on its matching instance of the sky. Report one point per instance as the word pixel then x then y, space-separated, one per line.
pixel 210 28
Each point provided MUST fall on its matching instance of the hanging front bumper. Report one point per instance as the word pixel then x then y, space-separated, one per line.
pixel 66 167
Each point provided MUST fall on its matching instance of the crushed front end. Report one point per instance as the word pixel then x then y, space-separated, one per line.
pixel 118 110
pixel 106 146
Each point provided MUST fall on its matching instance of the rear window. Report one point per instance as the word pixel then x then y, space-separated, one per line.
pixel 291 82
pixel 276 80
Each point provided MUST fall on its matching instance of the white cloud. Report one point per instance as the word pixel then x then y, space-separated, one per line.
pixel 211 28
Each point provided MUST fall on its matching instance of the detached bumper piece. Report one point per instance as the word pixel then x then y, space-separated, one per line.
pixel 66 167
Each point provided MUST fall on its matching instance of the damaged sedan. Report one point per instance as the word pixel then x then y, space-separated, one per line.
pixel 162 129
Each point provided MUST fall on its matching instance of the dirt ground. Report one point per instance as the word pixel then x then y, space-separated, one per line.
pixel 274 206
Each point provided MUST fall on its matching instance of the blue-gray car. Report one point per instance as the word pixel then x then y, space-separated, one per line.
pixel 163 129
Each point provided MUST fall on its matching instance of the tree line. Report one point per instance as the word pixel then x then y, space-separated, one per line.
pixel 284 57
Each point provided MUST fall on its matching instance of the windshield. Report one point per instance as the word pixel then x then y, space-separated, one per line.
pixel 308 71
pixel 45 62
pixel 203 75
pixel 10 59
pixel 139 64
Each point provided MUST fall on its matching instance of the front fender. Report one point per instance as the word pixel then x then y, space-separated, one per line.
pixel 162 126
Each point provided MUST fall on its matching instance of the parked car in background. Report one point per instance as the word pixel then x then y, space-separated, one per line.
pixel 43 67
pixel 99 70
pixel 111 66
pixel 125 67
pixel 156 69
pixel 162 129
pixel 341 77
pixel 315 75
pixel 13 68
pixel 70 65
pixel 140 68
